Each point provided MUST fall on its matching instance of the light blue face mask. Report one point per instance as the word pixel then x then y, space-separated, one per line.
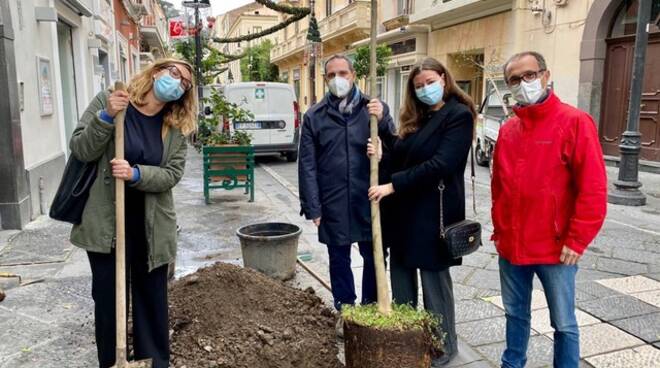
pixel 430 94
pixel 168 88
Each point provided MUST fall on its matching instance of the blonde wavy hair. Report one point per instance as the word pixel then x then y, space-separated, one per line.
pixel 180 114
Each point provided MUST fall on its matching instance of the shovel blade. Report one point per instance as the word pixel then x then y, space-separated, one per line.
pixel 145 363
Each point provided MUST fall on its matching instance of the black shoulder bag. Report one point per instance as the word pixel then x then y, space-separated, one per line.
pixel 72 194
pixel 463 237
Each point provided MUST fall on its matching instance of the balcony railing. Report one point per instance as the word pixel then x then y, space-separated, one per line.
pixel 150 23
pixel 354 16
pixel 447 12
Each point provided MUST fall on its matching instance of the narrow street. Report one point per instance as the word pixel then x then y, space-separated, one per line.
pixel 46 321
pixel 618 288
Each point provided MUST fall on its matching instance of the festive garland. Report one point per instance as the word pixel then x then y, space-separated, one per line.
pixel 284 8
pixel 230 57
pixel 298 14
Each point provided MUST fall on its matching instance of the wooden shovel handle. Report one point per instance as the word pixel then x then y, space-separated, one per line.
pixel 120 240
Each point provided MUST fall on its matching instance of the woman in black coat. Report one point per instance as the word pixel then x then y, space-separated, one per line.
pixel 432 145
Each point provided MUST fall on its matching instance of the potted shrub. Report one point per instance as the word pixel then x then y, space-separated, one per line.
pixel 402 338
pixel 211 133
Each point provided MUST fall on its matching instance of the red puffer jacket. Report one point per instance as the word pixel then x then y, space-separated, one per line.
pixel 549 183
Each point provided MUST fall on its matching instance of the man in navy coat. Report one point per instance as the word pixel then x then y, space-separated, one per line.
pixel 333 174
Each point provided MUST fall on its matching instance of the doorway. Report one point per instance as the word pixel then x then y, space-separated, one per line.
pixel 617 81
pixel 68 78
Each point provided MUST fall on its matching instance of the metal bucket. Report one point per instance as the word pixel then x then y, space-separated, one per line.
pixel 270 248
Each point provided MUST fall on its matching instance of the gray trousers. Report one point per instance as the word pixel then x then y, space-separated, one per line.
pixel 438 297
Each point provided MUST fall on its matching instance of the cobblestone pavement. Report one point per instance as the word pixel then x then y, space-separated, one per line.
pixel 46 321
pixel 618 287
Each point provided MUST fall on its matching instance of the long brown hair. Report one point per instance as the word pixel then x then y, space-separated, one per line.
pixel 180 114
pixel 414 111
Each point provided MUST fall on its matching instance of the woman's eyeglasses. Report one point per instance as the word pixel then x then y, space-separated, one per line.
pixel 526 76
pixel 176 74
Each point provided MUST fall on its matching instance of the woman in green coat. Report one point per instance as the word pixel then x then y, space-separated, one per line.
pixel 161 109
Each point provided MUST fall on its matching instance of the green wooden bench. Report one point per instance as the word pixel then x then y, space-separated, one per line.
pixel 228 167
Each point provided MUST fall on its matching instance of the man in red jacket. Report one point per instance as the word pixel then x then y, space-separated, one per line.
pixel 549 202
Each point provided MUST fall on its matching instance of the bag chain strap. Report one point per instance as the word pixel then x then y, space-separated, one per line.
pixel 441 188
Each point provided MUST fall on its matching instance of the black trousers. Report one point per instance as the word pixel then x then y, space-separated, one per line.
pixel 147 296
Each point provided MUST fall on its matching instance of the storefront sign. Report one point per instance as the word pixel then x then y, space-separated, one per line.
pixel 45 83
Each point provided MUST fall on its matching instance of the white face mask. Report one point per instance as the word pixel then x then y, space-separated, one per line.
pixel 528 93
pixel 339 86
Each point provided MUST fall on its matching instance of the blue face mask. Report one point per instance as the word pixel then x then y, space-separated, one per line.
pixel 431 94
pixel 168 89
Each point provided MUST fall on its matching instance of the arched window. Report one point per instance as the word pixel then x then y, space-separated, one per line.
pixel 625 23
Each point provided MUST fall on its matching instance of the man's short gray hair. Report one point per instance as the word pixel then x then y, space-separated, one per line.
pixel 339 56
pixel 539 59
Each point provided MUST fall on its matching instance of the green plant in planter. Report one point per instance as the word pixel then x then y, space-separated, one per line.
pixel 210 131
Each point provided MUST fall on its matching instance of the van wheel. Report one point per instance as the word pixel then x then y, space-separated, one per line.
pixel 292 156
pixel 482 158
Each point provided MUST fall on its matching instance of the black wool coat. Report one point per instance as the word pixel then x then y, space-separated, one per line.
pixel 415 165
pixel 333 170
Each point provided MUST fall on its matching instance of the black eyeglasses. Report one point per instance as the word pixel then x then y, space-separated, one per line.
pixel 526 76
pixel 176 74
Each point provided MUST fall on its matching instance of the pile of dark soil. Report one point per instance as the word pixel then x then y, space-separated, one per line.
pixel 226 316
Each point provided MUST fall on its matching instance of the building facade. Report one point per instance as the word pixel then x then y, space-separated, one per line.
pixel 56 56
pixel 154 38
pixel 588 45
pixel 249 19
pixel 341 23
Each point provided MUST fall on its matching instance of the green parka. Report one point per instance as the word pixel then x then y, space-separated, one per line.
pixel 93 140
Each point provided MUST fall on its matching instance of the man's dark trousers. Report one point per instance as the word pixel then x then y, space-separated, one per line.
pixel 341 275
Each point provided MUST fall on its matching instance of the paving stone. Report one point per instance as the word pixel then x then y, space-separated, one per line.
pixel 635 255
pixel 595 289
pixel 541 320
pixel 20 332
pixel 654 276
pixel 651 297
pixel 603 338
pixel 466 357
pixel 73 350
pixel 645 327
pixel 538 300
pixel 592 275
pixel 464 292
pixel 584 364
pixel 478 259
pixel 460 273
pixel 486 293
pixel 539 352
pixel 472 310
pixel 482 332
pixel 632 284
pixel 640 357
pixel 485 279
pixel 589 261
pixel 616 307
pixel 621 267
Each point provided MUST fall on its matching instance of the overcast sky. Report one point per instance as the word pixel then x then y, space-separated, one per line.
pixel 219 6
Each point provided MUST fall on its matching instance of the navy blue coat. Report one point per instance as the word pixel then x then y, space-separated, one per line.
pixel 333 170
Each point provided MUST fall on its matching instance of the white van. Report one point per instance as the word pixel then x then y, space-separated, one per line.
pixel 275 128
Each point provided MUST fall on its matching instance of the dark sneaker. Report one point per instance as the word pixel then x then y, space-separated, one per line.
pixel 443 360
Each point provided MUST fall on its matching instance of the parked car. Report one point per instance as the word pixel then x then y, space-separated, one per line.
pixel 275 128
pixel 494 111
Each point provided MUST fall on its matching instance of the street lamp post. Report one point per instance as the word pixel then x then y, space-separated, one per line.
pixel 198 4
pixel 313 51
pixel 626 188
